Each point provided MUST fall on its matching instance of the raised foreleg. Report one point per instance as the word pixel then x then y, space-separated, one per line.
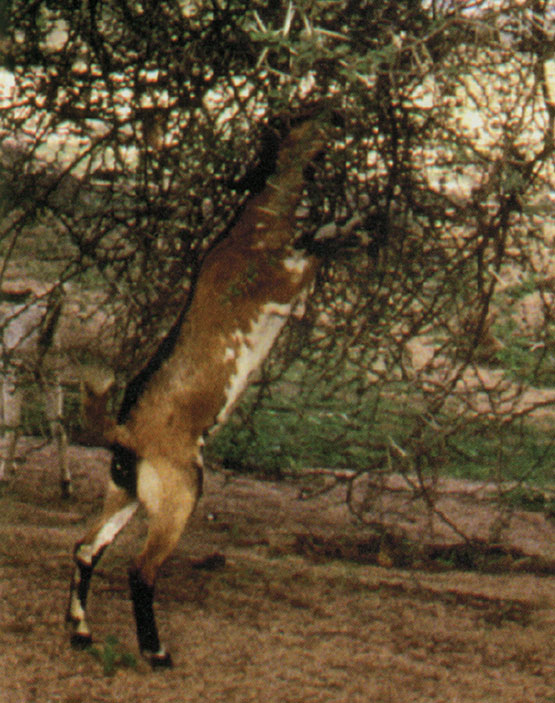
pixel 119 507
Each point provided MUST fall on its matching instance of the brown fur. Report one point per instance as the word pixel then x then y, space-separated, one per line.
pixel 252 268
pixel 189 390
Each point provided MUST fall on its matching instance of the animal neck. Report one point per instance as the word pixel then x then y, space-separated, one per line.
pixel 246 289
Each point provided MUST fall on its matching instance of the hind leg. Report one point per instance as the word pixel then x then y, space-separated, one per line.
pixel 119 508
pixel 169 495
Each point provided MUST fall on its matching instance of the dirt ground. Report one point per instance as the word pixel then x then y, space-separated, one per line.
pixel 283 618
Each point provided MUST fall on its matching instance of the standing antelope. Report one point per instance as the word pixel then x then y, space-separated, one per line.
pixel 246 289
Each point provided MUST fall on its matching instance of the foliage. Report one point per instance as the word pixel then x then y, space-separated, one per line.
pixel 133 127
pixel 285 435
pixel 112 657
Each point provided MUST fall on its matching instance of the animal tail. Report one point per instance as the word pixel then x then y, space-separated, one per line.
pixel 99 428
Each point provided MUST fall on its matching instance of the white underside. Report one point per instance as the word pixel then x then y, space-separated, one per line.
pixel 149 486
pixel 251 351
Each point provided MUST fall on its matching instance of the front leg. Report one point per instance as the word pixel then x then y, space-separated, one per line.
pixel 118 509
pixel 81 636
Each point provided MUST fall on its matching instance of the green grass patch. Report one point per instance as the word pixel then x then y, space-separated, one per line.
pixel 283 435
pixel 112 656
pixel 489 451
pixel 532 499
pixel 523 358
pixel 290 431
pixel 528 347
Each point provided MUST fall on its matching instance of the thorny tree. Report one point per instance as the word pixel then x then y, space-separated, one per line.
pixel 131 134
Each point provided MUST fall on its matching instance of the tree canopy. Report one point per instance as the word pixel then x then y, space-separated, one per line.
pixel 132 131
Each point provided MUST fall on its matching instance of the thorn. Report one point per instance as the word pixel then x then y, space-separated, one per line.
pixel 259 22
pixel 288 19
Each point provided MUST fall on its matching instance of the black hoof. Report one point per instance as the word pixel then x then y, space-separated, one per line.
pixel 159 661
pixel 210 563
pixel 79 641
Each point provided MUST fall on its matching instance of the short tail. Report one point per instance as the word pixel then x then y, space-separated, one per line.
pixel 99 428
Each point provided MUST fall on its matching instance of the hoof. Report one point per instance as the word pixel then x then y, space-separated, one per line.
pixel 210 563
pixel 79 641
pixel 159 661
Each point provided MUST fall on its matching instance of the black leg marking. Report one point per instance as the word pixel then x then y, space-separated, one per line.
pixel 65 485
pixel 142 596
pixel 80 637
pixel 79 641
pixel 85 574
pixel 161 660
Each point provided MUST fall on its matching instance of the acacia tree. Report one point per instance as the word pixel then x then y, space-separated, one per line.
pixel 134 131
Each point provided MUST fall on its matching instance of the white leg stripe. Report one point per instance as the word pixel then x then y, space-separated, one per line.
pixel 107 533
pixel 114 525
pixel 76 609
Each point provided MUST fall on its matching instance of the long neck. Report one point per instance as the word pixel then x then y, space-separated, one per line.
pixel 247 288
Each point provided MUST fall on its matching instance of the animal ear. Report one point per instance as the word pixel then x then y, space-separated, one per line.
pixel 96 390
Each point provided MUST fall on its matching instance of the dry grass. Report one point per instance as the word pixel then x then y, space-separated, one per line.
pixel 269 625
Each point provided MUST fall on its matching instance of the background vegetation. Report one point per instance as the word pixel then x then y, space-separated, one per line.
pixel 129 137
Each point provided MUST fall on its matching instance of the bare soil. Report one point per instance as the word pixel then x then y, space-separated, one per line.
pixel 269 598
